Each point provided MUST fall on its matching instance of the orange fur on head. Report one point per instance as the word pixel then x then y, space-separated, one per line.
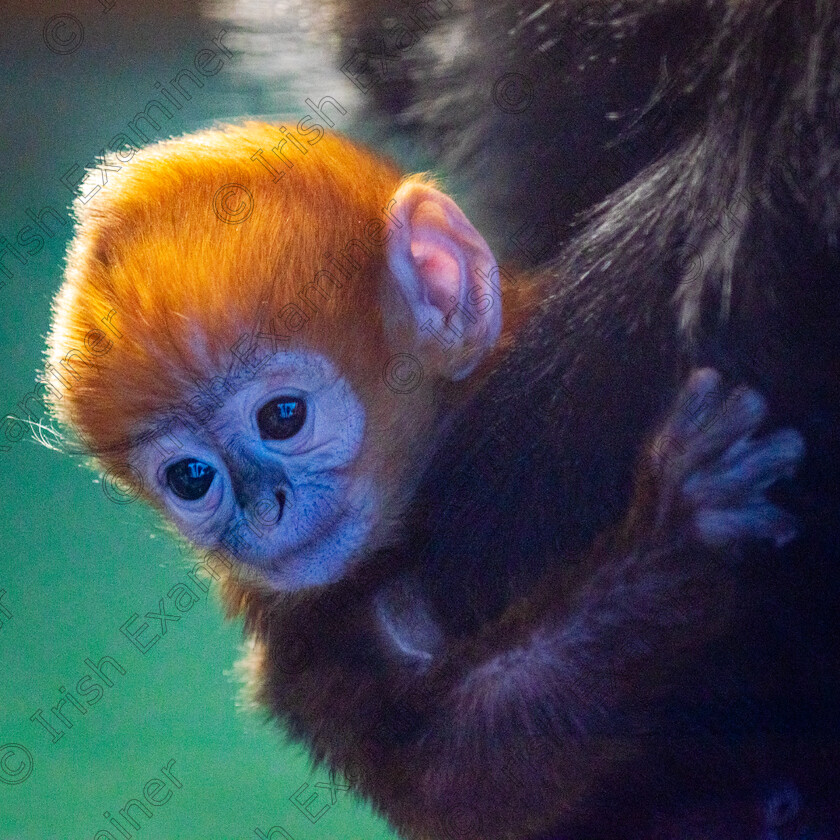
pixel 186 286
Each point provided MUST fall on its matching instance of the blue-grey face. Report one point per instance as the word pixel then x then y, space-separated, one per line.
pixel 268 468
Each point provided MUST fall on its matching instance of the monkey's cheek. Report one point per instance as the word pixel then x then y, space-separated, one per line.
pixel 202 527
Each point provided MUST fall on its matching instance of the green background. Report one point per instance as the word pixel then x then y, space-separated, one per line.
pixel 75 565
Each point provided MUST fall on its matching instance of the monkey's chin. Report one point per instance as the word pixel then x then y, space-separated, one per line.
pixel 326 558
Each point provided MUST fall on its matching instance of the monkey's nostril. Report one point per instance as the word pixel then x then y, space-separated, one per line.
pixel 265 512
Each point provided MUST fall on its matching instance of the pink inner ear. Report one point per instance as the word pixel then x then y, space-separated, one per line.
pixel 439 273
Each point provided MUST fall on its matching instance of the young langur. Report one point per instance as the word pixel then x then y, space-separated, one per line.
pixel 291 325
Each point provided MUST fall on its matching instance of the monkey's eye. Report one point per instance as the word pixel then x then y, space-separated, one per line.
pixel 281 418
pixel 190 479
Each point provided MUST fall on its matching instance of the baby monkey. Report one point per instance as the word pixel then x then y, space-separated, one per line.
pixel 290 325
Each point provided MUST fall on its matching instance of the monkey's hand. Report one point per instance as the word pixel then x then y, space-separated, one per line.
pixel 711 473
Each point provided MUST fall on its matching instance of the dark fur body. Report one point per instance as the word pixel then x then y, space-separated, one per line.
pixel 717 244
pixel 721 251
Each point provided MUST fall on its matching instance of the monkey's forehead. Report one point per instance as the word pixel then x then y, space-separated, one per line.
pixel 199 224
pixel 185 284
pixel 194 204
pixel 254 369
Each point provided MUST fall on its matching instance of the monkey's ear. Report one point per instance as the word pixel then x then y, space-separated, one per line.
pixel 445 271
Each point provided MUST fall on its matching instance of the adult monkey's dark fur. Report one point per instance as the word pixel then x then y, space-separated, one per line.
pixel 549 106
pixel 716 244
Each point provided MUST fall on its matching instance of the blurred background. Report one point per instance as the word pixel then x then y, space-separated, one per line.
pixel 82 567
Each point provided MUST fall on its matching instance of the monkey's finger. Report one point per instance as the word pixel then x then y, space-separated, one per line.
pixel 720 527
pixel 781 441
pixel 693 404
pixel 746 467
pixel 743 411
pixel 668 451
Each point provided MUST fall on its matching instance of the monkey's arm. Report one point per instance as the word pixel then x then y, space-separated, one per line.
pixel 544 711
